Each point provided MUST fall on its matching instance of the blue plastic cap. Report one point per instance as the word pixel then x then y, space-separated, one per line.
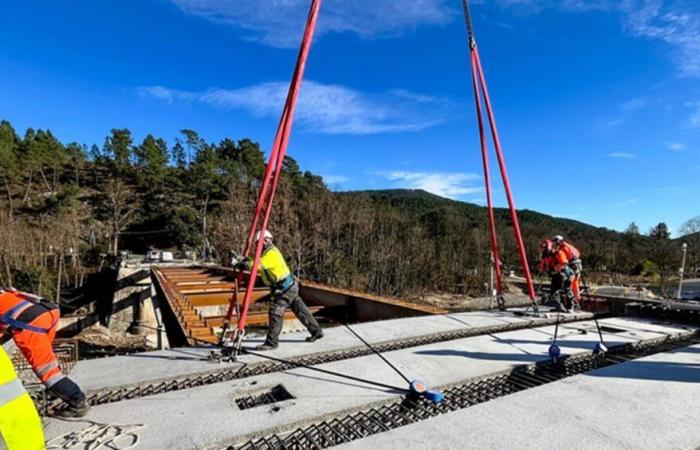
pixel 435 396
pixel 554 351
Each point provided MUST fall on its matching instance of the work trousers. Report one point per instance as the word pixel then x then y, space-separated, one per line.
pixel 577 267
pixel 37 348
pixel 278 305
pixel 562 284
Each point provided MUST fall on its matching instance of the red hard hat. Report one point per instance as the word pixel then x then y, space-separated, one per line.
pixel 546 245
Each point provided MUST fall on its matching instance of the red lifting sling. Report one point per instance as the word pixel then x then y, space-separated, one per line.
pixel 272 175
pixel 479 86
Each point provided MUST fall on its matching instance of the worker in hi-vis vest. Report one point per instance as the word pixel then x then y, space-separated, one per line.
pixel 20 426
pixel 284 292
pixel 32 322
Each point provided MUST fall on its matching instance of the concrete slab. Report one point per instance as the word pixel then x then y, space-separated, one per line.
pixel 649 403
pixel 153 366
pixel 208 417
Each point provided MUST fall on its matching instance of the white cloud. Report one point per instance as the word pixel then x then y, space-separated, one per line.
pixel 694 119
pixel 629 201
pixel 323 108
pixel 675 146
pixel 335 179
pixel 634 104
pixel 279 23
pixel 445 184
pixel 622 155
pixel 675 22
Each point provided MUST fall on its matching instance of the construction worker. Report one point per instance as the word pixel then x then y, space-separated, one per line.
pixel 574 257
pixel 284 292
pixel 555 263
pixel 31 322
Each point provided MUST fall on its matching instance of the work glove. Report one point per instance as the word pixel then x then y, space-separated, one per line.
pixel 68 391
pixel 234 257
pixel 241 265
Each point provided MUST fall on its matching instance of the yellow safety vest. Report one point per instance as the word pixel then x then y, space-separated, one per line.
pixel 273 268
pixel 20 426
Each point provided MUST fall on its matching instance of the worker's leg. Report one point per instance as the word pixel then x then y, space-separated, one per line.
pixel 275 320
pixel 301 311
pixel 568 293
pixel 37 349
pixel 575 287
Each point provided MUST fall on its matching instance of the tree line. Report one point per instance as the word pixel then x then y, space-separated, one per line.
pixel 67 210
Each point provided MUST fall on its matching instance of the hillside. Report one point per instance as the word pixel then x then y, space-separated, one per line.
pixel 67 210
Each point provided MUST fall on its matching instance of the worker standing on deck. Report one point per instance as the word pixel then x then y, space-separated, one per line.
pixel 556 264
pixel 31 322
pixel 284 292
pixel 20 426
pixel 574 257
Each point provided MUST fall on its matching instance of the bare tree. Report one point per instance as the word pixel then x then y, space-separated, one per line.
pixel 121 205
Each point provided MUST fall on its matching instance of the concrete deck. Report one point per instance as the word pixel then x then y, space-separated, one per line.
pixel 648 403
pixel 208 417
pixel 153 366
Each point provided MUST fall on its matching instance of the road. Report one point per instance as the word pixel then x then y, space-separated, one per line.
pixel 691 289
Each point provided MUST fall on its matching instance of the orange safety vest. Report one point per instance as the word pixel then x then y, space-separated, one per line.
pixel 571 252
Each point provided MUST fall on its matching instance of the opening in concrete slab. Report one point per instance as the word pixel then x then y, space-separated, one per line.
pixel 277 394
pixel 609 329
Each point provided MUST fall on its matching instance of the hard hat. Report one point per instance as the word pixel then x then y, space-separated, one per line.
pixel 268 235
pixel 557 239
pixel 546 245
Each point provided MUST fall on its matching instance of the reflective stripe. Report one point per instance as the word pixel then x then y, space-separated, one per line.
pixel 18 309
pixel 40 371
pixel 53 380
pixel 10 391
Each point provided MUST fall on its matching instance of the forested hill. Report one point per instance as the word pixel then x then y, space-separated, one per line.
pixel 463 227
pixel 417 202
pixel 67 210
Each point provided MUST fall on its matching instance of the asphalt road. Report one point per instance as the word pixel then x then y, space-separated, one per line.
pixel 691 289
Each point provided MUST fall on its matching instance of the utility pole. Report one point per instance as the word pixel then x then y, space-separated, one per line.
pixel 681 272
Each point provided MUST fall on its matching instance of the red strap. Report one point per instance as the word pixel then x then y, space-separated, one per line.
pixel 504 176
pixel 487 180
pixel 274 167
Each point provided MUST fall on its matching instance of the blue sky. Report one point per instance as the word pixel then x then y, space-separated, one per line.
pixel 597 102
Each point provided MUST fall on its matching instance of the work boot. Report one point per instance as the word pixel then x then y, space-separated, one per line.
pixel 314 337
pixel 79 409
pixel 265 347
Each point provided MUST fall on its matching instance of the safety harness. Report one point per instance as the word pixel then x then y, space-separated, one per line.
pixel 23 313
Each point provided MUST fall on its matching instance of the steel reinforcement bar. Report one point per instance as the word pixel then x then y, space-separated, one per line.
pixel 357 425
pixel 248 370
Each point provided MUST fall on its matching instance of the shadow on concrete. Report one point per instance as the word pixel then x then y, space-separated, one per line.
pixel 652 370
pixel 191 356
pixel 337 380
pixel 522 357
pixel 132 279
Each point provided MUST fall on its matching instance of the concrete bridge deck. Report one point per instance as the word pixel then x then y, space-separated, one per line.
pixel 649 403
pixel 209 416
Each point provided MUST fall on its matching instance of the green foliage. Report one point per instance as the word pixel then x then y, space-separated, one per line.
pixel 645 267
pixel 118 148
pixel 198 195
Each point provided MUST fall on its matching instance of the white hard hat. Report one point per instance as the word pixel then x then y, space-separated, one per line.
pixel 268 235
pixel 557 239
